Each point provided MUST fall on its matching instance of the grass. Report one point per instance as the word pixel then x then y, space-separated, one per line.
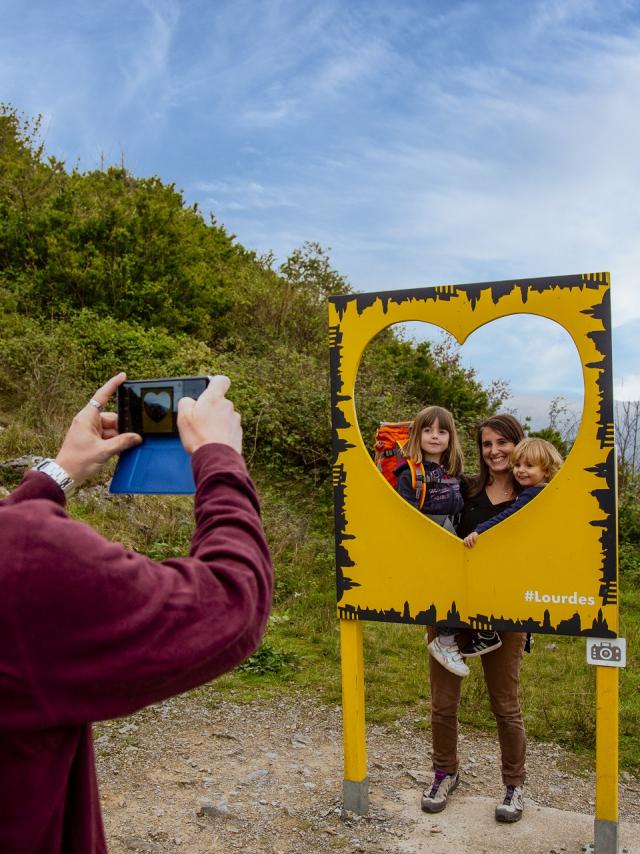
pixel 301 650
pixel 557 685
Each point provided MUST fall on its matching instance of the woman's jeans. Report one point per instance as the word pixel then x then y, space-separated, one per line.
pixel 501 675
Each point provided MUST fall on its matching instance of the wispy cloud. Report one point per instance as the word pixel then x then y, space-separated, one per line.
pixel 244 196
pixel 145 64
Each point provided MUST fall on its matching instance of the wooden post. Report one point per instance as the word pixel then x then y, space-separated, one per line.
pixel 356 784
pixel 606 820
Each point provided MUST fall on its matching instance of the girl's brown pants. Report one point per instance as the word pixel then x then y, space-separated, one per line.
pixel 502 676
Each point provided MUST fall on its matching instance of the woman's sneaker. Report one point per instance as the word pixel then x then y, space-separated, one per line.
pixel 511 808
pixel 480 643
pixel 449 656
pixel 435 798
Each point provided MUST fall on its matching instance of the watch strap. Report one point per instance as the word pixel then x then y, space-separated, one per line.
pixel 58 474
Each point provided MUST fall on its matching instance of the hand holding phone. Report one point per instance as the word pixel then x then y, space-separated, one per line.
pixel 210 418
pixel 175 416
pixel 93 438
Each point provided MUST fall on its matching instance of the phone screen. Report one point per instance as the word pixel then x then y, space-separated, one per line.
pixel 150 407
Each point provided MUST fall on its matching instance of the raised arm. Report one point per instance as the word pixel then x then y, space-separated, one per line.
pixel 99 631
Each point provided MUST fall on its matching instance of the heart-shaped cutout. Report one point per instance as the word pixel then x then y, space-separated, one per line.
pixel 157 405
pixel 433 370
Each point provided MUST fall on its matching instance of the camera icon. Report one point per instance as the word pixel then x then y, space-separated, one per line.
pixel 605 651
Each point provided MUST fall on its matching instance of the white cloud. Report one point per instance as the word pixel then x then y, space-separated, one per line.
pixel 628 387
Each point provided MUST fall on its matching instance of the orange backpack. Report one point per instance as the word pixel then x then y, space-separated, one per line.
pixel 390 438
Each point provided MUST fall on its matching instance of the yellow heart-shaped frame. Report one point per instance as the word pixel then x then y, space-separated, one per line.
pixel 551 568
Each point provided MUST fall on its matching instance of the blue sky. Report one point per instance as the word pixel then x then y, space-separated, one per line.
pixel 423 142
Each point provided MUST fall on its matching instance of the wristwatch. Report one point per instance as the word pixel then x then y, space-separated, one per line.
pixel 62 478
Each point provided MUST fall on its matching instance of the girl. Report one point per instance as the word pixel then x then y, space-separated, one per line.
pixel 433 444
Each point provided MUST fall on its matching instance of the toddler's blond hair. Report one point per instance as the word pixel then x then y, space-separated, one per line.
pixel 538 452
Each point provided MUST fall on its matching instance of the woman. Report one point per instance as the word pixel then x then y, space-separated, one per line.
pixel 493 490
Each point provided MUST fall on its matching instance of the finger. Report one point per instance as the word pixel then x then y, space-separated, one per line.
pixel 185 404
pixel 109 420
pixel 105 392
pixel 217 388
pixel 120 443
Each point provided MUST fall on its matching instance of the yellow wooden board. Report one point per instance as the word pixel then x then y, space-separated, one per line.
pixel 549 568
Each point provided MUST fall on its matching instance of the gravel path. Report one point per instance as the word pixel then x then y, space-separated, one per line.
pixel 187 777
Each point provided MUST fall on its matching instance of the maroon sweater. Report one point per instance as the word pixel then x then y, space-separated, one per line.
pixel 89 631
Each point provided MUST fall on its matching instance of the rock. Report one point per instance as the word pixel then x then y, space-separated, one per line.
pixel 127 728
pixel 20 464
pixel 141 846
pixel 255 776
pixel 219 810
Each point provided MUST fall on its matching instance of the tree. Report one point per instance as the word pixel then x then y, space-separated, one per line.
pixel 286 305
pixel 562 428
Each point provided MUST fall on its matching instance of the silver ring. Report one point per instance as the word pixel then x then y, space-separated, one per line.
pixel 96 403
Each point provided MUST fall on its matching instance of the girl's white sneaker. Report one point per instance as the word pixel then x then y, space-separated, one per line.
pixel 448 655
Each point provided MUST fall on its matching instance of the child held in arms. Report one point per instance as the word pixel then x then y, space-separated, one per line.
pixel 534 462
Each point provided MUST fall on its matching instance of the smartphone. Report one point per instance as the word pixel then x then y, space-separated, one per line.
pixel 150 407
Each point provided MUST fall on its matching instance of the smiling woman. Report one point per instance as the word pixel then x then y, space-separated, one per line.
pixel 491 493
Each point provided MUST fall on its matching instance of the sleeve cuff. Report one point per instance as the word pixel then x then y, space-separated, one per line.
pixel 35 484
pixel 218 456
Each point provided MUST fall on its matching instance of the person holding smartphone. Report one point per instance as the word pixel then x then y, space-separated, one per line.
pixel 91 631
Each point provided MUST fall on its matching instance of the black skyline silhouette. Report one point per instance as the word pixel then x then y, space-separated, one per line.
pixel 473 292
pixel 571 627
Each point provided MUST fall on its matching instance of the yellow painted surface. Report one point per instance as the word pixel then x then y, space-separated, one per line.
pixel 607 743
pixel 550 549
pixel 353 713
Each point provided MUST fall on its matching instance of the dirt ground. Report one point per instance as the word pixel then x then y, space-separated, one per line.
pixel 183 777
